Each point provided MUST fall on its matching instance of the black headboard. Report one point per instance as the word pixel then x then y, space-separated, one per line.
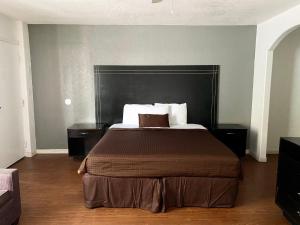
pixel 116 86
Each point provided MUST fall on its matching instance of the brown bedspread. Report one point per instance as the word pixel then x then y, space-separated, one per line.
pixel 160 153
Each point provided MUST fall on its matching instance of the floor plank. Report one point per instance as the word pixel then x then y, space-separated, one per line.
pixel 51 193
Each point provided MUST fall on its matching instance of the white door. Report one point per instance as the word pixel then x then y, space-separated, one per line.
pixel 11 129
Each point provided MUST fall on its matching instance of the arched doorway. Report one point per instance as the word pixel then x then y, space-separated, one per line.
pixel 269 35
pixel 263 95
pixel 285 91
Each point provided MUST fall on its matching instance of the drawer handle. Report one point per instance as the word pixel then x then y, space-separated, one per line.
pixel 230 133
pixel 83 133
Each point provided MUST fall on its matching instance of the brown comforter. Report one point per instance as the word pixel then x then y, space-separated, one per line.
pixel 160 153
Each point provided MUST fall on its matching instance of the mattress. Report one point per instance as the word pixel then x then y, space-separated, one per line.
pixel 146 152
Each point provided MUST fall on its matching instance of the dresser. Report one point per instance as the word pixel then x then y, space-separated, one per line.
pixel 82 137
pixel 288 179
pixel 234 136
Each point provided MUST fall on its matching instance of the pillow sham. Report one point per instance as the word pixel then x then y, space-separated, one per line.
pixel 153 120
pixel 178 113
pixel 131 111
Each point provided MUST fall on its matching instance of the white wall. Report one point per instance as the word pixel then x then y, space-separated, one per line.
pixel 269 34
pixel 15 123
pixel 11 129
pixel 285 91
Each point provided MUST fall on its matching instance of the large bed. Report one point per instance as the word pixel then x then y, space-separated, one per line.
pixel 156 169
pixel 159 168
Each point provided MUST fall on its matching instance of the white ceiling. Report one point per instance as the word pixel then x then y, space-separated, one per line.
pixel 143 12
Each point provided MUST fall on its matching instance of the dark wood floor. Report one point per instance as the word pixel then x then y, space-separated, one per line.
pixel 51 193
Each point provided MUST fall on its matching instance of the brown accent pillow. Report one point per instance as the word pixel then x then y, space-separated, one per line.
pixel 153 120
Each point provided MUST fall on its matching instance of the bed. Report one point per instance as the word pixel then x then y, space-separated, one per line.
pixel 159 168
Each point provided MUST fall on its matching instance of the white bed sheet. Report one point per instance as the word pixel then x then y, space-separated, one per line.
pixel 183 126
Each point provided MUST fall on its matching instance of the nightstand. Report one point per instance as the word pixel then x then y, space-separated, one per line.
pixel 234 136
pixel 82 137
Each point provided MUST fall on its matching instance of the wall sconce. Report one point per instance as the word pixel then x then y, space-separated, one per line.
pixel 68 101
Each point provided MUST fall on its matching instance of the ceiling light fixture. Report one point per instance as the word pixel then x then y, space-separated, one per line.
pixel 156 1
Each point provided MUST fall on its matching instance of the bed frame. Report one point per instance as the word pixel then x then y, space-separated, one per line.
pixel 195 85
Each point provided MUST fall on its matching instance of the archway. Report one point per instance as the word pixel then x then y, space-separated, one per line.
pixel 285 89
pixel 269 34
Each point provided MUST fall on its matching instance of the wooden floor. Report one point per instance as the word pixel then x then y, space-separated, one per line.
pixel 51 193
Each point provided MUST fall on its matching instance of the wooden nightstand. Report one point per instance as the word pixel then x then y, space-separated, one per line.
pixel 234 136
pixel 82 137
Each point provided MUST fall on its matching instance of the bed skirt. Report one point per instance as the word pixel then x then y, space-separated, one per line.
pixel 159 194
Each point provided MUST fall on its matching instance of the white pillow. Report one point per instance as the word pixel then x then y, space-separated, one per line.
pixel 178 113
pixel 158 110
pixel 131 112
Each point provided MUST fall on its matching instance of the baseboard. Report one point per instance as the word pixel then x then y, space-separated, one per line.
pixel 29 154
pixel 256 157
pixel 272 152
pixel 52 151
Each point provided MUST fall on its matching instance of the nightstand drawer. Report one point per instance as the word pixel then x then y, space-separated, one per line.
pixel 230 134
pixel 235 139
pixel 82 133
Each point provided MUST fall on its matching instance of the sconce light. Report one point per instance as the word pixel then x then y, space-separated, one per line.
pixel 68 101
